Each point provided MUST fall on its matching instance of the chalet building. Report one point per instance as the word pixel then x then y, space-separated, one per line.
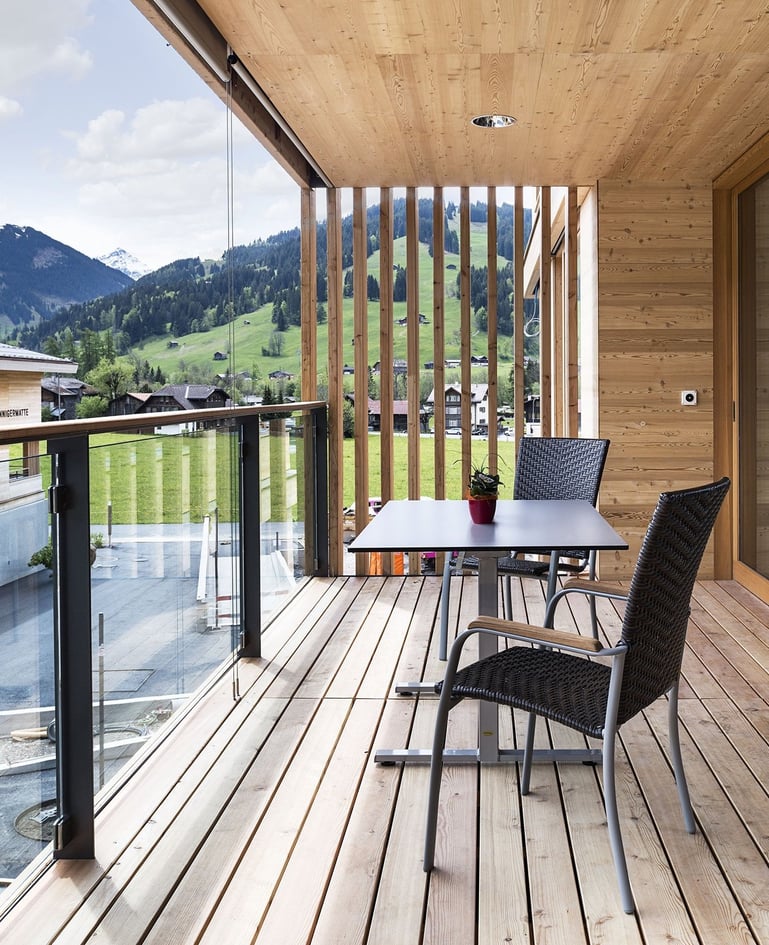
pixel 23 503
pixel 62 395
pixel 479 406
pixel 128 403
pixel 184 397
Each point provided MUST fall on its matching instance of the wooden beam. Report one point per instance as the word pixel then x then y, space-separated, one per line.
pixel 725 371
pixel 335 390
pixel 491 335
pixel 571 348
pixel 545 317
pixel 386 438
pixel 465 328
pixel 360 342
pixel 439 344
pixel 412 353
pixel 518 317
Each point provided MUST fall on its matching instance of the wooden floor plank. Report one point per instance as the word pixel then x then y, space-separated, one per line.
pixel 265 820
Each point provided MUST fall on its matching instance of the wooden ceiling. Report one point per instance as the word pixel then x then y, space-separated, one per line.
pixel 381 92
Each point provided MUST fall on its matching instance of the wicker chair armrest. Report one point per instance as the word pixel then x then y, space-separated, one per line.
pixel 560 639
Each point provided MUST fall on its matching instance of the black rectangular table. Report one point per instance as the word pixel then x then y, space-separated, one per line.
pixel 526 525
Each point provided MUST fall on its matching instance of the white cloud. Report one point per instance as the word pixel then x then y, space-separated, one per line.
pixel 39 39
pixel 157 181
pixel 9 108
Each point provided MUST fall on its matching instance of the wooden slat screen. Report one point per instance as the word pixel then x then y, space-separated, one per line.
pixel 363 313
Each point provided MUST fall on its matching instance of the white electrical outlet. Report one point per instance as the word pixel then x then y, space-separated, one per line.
pixel 688 398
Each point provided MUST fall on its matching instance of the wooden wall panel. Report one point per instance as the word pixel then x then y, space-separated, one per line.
pixel 655 339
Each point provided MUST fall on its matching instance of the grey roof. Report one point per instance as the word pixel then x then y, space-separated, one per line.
pixel 36 360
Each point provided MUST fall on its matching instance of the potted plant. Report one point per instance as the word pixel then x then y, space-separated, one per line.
pixel 482 492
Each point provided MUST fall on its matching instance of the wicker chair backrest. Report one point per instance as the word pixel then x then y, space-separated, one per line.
pixel 659 599
pixel 560 468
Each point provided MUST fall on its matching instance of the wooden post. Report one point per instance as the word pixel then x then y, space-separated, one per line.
pixel 335 395
pixel 518 318
pixel 412 356
pixel 465 328
pixel 571 381
pixel 360 342
pixel 386 441
pixel 545 317
pixel 491 313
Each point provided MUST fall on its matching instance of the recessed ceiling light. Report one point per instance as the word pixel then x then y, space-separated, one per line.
pixel 493 121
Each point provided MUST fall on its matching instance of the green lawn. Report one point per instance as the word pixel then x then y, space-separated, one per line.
pixel 170 479
pixel 454 484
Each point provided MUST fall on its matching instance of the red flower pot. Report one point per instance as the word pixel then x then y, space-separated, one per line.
pixel 482 509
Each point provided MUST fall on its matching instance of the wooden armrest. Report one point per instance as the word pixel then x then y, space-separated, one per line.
pixel 526 631
pixel 605 588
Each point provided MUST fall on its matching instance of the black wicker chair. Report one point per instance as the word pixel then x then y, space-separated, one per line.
pixel 554 678
pixel 546 468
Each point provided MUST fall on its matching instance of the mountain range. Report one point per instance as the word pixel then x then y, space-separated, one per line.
pixel 39 276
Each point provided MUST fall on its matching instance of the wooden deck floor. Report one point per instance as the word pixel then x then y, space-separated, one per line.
pixel 264 820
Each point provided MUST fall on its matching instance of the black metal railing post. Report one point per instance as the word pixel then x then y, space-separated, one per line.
pixel 69 505
pixel 250 540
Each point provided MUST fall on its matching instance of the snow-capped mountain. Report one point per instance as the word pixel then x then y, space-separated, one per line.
pixel 126 263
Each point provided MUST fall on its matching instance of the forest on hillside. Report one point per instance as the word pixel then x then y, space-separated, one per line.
pixel 192 295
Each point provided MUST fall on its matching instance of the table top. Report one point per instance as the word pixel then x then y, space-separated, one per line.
pixel 525 525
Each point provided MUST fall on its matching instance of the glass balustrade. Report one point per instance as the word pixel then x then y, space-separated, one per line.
pixel 171 572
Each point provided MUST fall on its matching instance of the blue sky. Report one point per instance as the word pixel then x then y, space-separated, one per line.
pixel 109 139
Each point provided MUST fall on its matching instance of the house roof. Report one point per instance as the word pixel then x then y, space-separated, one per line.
pixel 188 396
pixel 22 359
pixel 381 92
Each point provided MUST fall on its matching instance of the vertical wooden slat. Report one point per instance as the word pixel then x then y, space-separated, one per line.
pixel 386 440
pixel 309 301
pixel 725 370
pixel 309 371
pixel 439 353
pixel 465 328
pixel 335 395
pixel 545 316
pixel 571 379
pixel 518 317
pixel 360 343
pixel 557 361
pixel 491 311
pixel 412 355
pixel 439 344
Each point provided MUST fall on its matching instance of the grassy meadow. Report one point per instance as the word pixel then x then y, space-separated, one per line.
pixel 173 479
pixel 251 332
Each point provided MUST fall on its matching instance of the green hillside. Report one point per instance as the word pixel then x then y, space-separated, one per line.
pixel 251 331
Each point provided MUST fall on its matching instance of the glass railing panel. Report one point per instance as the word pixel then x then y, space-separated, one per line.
pixel 164 589
pixel 284 454
pixel 28 804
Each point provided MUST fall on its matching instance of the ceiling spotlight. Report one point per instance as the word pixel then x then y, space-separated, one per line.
pixel 493 121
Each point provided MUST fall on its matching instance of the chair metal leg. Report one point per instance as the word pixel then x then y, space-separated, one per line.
pixel 612 818
pixel 678 764
pixel 507 597
pixel 436 771
pixel 528 753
